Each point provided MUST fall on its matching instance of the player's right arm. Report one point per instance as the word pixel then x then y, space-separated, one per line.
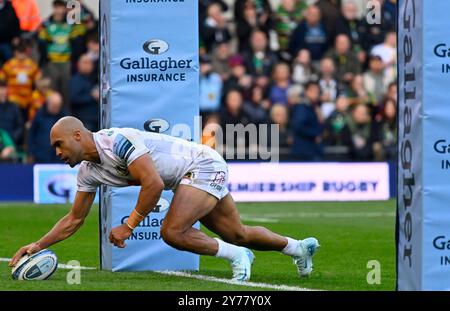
pixel 63 229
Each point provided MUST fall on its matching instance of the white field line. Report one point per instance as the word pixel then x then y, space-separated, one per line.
pixel 201 277
pixel 228 281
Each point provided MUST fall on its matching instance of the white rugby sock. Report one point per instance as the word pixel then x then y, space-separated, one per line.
pixel 226 250
pixel 290 248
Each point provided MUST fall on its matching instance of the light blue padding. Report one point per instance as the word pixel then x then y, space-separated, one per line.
pixel 134 29
pixel 436 126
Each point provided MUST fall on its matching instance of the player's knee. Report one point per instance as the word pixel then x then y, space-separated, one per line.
pixel 172 236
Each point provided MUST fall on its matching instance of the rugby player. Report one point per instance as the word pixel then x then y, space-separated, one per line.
pixel 196 173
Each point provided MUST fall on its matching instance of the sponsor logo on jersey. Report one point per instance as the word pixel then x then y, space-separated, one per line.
pixel 122 147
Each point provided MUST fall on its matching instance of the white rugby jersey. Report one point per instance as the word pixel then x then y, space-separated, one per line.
pixel 119 147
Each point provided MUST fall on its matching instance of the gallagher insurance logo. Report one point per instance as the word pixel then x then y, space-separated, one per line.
pixel 156 46
pixel 154 67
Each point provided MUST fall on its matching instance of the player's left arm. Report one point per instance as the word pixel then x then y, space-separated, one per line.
pixel 144 172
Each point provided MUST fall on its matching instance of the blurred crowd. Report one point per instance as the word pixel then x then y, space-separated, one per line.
pixel 48 69
pixel 319 69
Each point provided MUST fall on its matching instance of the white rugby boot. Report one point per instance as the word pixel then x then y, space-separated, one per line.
pixel 303 259
pixel 242 265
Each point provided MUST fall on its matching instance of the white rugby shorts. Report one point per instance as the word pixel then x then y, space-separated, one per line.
pixel 210 174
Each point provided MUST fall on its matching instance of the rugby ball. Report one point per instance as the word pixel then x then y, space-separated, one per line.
pixel 39 266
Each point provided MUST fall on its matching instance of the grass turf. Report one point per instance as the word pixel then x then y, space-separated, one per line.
pixel 350 234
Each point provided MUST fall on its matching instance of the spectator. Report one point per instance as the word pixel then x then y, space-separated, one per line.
pixel 239 79
pixel 262 7
pixel 356 93
pixel 310 34
pixel 214 29
pixel 259 60
pixel 392 91
pixel 303 71
pixel 373 33
pixel 335 123
pixel 39 149
pixel 7 149
pixel 288 15
pixel 306 127
pixel 203 8
pixel 10 117
pixel 388 128
pixel 279 115
pixel 281 78
pixel 388 53
pixel 350 25
pixel 387 50
pixel 28 13
pixel 210 87
pixel 88 28
pixel 20 73
pixel 256 107
pixel 233 113
pixel 38 97
pixel 389 13
pixel 220 60
pixel 329 10
pixel 259 98
pixel 57 41
pixel 84 94
pixel 361 135
pixel 328 87
pixel 254 16
pixel 375 81
pixel 93 51
pixel 9 30
pixel 345 61
pixel 294 94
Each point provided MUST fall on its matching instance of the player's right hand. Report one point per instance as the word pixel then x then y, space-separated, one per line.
pixel 28 249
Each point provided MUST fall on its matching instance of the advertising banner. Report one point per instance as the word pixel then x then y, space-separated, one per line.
pixel 274 182
pixel 423 233
pixel 149 81
pixel 309 181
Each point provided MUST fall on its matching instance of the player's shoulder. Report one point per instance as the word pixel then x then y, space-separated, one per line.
pixel 107 138
pixel 113 132
pixel 121 142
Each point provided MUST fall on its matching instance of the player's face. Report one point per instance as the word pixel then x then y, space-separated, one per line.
pixel 67 147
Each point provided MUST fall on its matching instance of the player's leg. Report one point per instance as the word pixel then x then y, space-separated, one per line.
pixel 189 204
pixel 224 220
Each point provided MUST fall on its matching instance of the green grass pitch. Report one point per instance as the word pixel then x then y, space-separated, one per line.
pixel 350 233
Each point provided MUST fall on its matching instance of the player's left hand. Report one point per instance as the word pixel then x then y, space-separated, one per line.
pixel 119 234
